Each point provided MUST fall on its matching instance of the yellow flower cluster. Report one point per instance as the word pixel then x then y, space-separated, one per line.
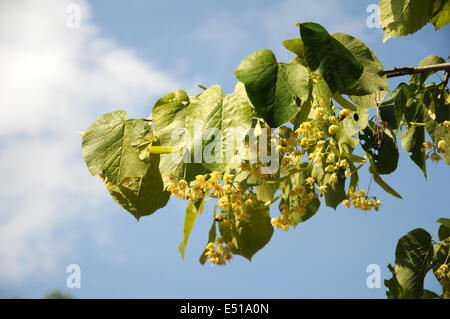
pixel 446 124
pixel 434 157
pixel 344 113
pixel 298 202
pixel 332 129
pixel 218 253
pixel 233 204
pixel 443 272
pixel 255 170
pixel 203 184
pixel 441 147
pixel 361 201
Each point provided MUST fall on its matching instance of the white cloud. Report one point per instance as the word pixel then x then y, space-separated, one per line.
pixel 55 80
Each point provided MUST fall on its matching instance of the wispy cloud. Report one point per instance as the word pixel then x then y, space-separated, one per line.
pixel 54 81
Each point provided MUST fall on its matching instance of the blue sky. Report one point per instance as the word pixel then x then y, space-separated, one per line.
pixel 125 55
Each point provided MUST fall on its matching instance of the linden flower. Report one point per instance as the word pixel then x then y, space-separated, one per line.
pixel 346 203
pixel 227 178
pixel 344 113
pixel 312 196
pixel 215 175
pixel 249 202
pixel 285 161
pixel 435 157
pixel 228 188
pixel 318 160
pixel 332 119
pixel 182 184
pixel 348 173
pixel 323 189
pixel 447 124
pixel 304 202
pixel 171 178
pixel 331 158
pixel 442 144
pixel 333 178
pixel 211 246
pixel 332 129
pixel 320 112
pixel 329 168
pixel 304 142
pixel 428 145
pixel 343 163
pixel 309 181
pixel 362 193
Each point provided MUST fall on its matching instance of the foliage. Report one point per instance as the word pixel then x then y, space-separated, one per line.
pixel 403 17
pixel 416 254
pixel 306 128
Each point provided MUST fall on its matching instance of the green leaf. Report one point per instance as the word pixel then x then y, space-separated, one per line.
pixel 444 221
pixel 142 195
pixel 192 210
pixel 354 179
pixel 442 16
pixel 435 100
pixel 438 133
pixel 335 193
pixel 302 115
pixel 382 149
pixel 444 232
pixel 172 114
pixel 295 46
pixel 344 103
pixel 366 102
pixel 235 114
pixel 211 238
pixel 327 56
pixel 413 257
pixel 377 179
pixel 444 229
pixel 250 234
pixel 391 110
pixel 402 17
pixel 111 145
pixel 395 291
pixel 372 78
pixel 200 119
pixel 428 294
pixel 344 139
pixel 294 179
pixel 441 256
pixel 412 141
pixel 266 191
pixel 273 87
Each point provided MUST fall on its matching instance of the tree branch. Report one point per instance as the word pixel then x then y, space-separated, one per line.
pixel 416 69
